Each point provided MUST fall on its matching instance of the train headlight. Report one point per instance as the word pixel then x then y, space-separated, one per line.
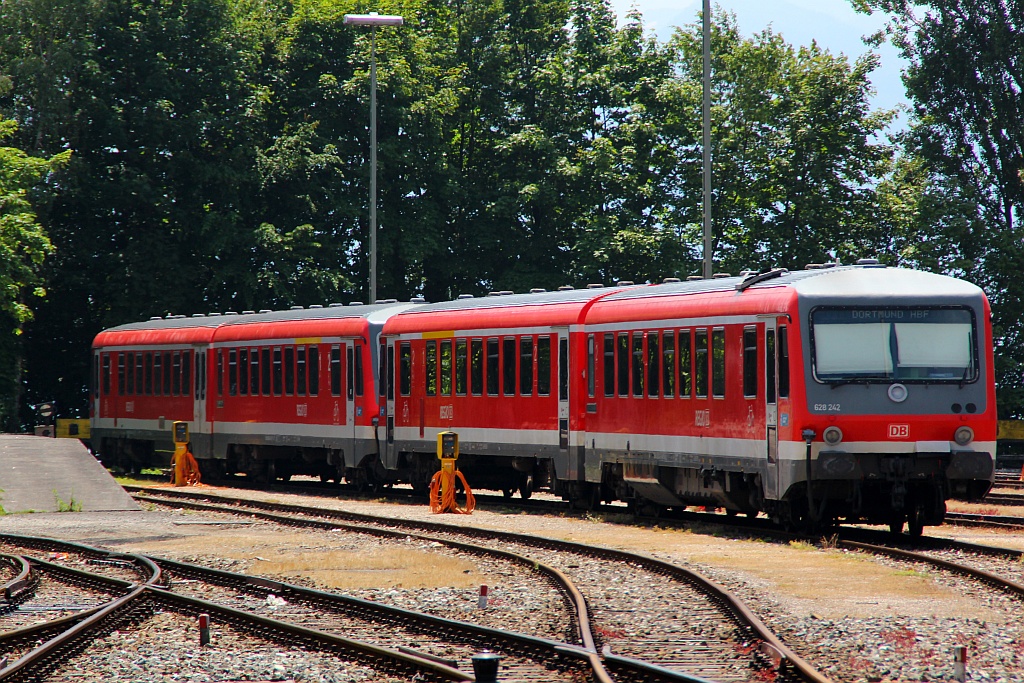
pixel 897 393
pixel 963 436
pixel 832 435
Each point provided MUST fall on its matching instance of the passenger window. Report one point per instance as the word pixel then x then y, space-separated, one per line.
pixel 149 374
pixel 186 372
pixel 653 365
pixel 563 369
pixel 359 369
pixel 668 365
pixel 254 372
pixel 609 364
pixel 314 371
pixel 121 380
pixel 638 364
pixel 277 371
pixel 265 370
pixel 431 366
pixel 405 368
pixel 623 364
pixel 289 370
pixel 220 374
pixel 446 367
pixel 461 358
pixel 769 364
pixel 750 362
pixel 350 374
pixel 158 374
pixel 139 389
pixel 508 366
pixel 476 364
pixel 390 370
pixel 526 366
pixel 544 365
pixel 167 373
pixel 300 371
pixel 335 370
pixel 700 364
pixel 591 366
pixel 243 372
pixel 106 374
pixel 783 363
pixel 718 363
pixel 492 367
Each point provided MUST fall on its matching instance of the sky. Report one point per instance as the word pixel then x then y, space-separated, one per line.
pixel 832 23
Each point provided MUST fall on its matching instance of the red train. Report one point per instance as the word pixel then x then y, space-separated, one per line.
pixel 839 393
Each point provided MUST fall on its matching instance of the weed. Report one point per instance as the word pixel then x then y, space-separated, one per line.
pixel 911 572
pixel 71 505
pixel 830 542
pixel 801 545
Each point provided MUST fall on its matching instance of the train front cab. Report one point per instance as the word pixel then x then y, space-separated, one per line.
pixel 898 411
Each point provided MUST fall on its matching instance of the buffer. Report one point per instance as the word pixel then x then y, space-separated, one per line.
pixel 40 474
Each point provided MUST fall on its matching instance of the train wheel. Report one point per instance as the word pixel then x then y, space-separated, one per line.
pixel 896 526
pixel 915 523
pixel 508 493
pixel 526 487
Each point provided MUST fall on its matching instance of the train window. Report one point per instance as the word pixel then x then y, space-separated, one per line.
pixel 390 368
pixel 431 365
pixel 186 372
pixel 197 391
pixel 638 363
pixel 685 365
pixel 232 372
pixel 563 369
pixel 243 372
pixel 653 365
pixel 718 363
pixel 622 361
pixel 405 368
pixel 526 366
pixel 94 376
pixel 300 371
pixel 461 358
pixel 609 364
pixel 769 365
pixel 289 370
pixel 254 372
pixel 700 364
pixel 508 366
pixel 131 374
pixel 106 374
pixel 476 367
pixel 335 370
pixel 350 373
pixel 167 373
pixel 176 375
pixel 358 374
pixel 446 368
pixel 314 370
pixel 492 366
pixel 201 374
pixel 265 370
pixel 544 365
pixel 158 374
pixel 382 368
pixel 220 373
pixel 121 382
pixel 749 362
pixel 591 366
pixel 277 375
pixel 149 374
pixel 668 363
pixel 783 363
pixel 139 375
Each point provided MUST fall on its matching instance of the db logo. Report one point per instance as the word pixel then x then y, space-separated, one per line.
pixel 899 431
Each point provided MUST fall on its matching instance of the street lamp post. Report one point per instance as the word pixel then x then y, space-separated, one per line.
pixel 373 20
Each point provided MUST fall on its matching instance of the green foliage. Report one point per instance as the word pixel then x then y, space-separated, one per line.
pixel 71 505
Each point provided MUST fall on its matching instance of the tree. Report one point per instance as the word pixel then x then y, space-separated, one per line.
pixel 23 247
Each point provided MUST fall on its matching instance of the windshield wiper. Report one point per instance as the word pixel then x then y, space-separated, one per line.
pixel 967 371
pixel 843 382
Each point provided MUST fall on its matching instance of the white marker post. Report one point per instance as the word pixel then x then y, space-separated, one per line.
pixel 482 601
pixel 960 663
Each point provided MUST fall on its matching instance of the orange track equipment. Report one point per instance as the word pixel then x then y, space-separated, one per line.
pixel 442 493
pixel 186 469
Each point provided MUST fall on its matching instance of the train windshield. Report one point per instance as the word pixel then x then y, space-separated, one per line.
pixel 892 344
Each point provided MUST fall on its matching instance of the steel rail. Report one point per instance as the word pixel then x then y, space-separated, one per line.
pixel 17 587
pixel 513 641
pixel 773 646
pixel 964 570
pixel 246 620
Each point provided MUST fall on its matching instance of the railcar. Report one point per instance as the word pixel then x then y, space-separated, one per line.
pixel 833 394
pixel 270 394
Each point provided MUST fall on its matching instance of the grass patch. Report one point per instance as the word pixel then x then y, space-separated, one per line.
pixel 71 505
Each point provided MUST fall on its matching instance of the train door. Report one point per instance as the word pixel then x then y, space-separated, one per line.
pixel 771 485
pixel 100 377
pixel 350 391
pixel 390 452
pixel 201 425
pixel 563 393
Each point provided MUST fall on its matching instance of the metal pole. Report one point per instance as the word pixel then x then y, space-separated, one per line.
pixel 373 164
pixel 707 140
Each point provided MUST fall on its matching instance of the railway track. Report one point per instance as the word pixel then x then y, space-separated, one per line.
pixel 694 627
